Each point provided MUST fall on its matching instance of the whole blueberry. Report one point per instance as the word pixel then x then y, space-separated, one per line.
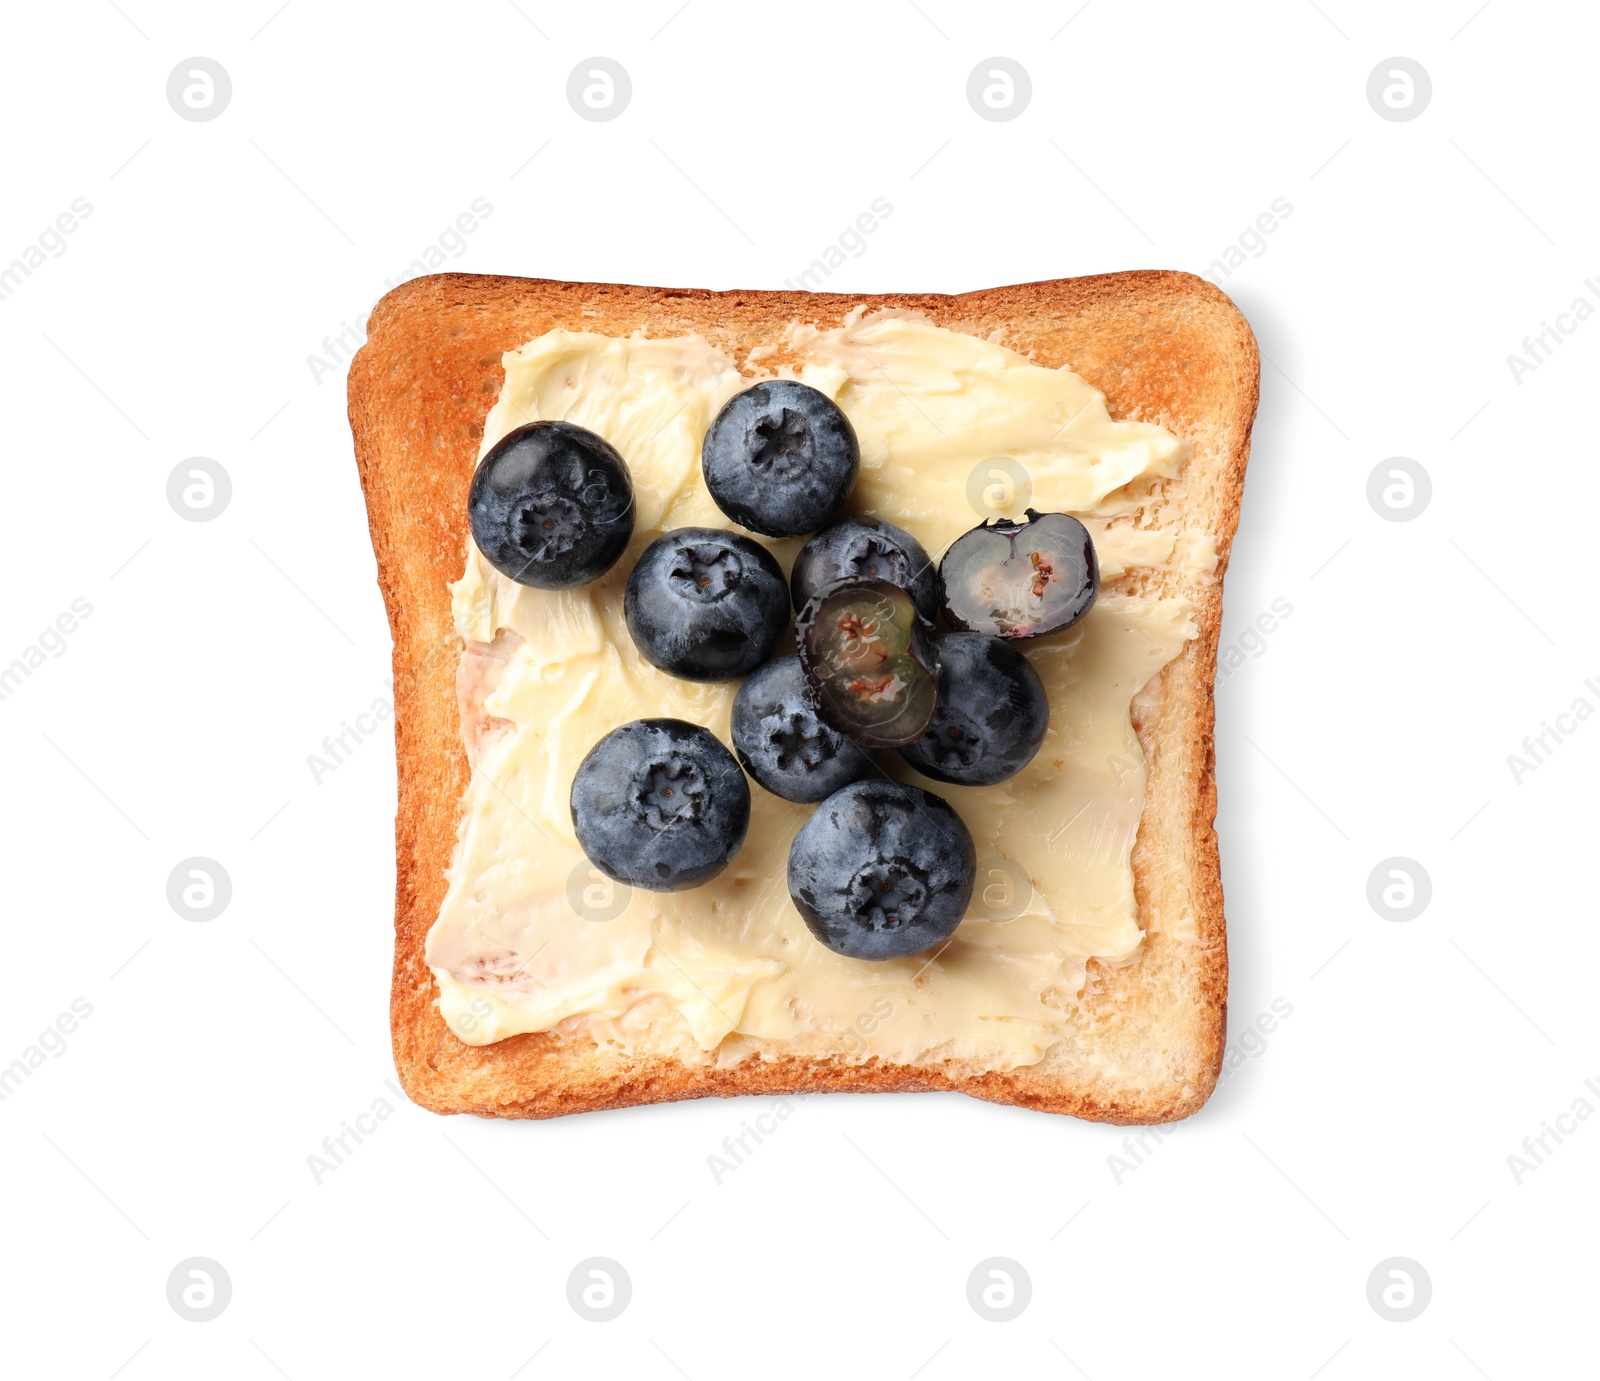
pixel 1020 579
pixel 866 549
pixel 780 458
pixel 882 870
pixel 782 744
pixel 991 714
pixel 660 804
pixel 551 505
pixel 706 604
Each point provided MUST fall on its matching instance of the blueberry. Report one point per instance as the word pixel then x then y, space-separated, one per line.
pixel 1020 580
pixel 551 505
pixel 869 661
pixel 866 549
pixel 705 604
pixel 781 742
pixel 991 716
pixel 882 870
pixel 660 804
pixel 780 458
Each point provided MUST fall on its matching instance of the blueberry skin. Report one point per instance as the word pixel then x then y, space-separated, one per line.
pixel 706 604
pixel 991 714
pixel 551 505
pixel 780 458
pixel 782 744
pixel 866 549
pixel 660 804
pixel 882 870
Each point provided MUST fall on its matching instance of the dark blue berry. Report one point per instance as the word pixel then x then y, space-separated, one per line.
pixel 660 804
pixel 551 505
pixel 869 661
pixel 1020 579
pixel 991 716
pixel 866 549
pixel 882 870
pixel 780 458
pixel 781 742
pixel 706 604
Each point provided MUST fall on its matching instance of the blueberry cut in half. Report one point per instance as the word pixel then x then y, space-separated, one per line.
pixel 782 743
pixel 660 804
pixel 991 716
pixel 1020 579
pixel 866 549
pixel 551 505
pixel 706 604
pixel 870 662
pixel 882 870
pixel 780 458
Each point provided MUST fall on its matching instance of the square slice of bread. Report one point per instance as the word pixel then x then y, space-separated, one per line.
pixel 1146 1042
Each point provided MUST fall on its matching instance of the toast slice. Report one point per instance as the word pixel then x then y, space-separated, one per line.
pixel 1146 1042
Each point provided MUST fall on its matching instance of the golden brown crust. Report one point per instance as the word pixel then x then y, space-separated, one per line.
pixel 1163 346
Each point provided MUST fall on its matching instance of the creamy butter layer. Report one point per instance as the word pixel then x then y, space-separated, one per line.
pixel 531 938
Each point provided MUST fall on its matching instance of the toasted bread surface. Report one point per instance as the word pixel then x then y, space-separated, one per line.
pixel 1146 1042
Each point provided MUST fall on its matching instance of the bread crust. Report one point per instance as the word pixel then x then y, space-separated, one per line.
pixel 1162 346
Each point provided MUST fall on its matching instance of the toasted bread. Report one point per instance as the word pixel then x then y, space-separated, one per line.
pixel 1146 1042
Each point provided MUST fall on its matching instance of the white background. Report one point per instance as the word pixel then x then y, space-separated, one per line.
pixel 1375 721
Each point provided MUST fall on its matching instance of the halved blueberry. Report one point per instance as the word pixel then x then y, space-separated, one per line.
pixel 660 804
pixel 783 744
pixel 866 549
pixel 780 458
pixel 991 716
pixel 551 505
pixel 882 870
pixel 706 604
pixel 869 661
pixel 1020 579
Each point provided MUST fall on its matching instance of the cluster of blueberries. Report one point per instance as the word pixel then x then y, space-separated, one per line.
pixel 881 869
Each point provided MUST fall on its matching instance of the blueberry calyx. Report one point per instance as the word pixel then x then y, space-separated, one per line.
pixel 668 792
pixel 888 893
pixel 703 573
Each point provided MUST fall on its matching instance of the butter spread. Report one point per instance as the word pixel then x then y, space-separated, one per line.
pixel 531 938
